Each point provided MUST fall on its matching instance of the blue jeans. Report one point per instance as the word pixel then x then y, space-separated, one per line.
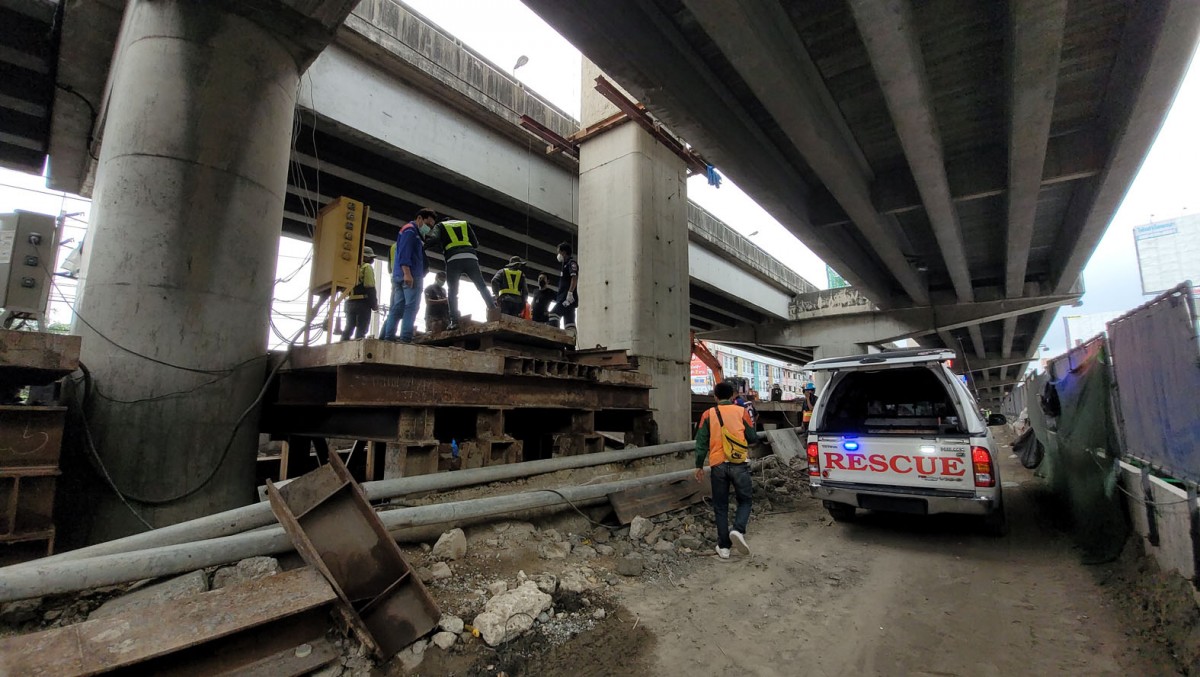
pixel 724 476
pixel 405 302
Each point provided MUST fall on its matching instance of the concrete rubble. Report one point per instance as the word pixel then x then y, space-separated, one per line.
pixel 508 615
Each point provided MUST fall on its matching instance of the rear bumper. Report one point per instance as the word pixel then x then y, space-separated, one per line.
pixel 960 503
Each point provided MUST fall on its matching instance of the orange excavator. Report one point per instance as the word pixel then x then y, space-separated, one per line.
pixel 702 352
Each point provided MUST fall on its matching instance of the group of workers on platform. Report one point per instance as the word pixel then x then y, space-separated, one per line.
pixel 457 242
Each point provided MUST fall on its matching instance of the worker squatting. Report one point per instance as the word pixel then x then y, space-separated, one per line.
pixel 456 240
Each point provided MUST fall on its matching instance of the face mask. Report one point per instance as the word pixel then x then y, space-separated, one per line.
pixel 562 259
pixel 425 230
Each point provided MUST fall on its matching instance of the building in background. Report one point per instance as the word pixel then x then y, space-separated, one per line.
pixel 1168 253
pixel 760 372
pixel 1080 328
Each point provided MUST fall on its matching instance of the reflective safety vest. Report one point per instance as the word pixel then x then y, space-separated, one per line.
pixel 366 278
pixel 459 233
pixel 513 280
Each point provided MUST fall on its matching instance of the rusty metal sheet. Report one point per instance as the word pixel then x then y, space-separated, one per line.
pixel 130 639
pixel 335 529
pixel 657 499
pixel 27 501
pixel 30 436
pixel 362 384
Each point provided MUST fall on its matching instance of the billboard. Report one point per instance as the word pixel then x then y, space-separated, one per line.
pixel 701 377
pixel 1168 253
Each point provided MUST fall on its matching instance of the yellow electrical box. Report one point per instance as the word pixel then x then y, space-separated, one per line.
pixel 337 245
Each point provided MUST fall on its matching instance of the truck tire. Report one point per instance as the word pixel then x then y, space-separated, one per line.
pixel 995 524
pixel 840 512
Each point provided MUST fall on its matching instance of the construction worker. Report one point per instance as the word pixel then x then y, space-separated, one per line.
pixel 408 267
pixel 362 301
pixel 542 298
pixel 458 242
pixel 810 401
pixel 510 286
pixel 723 440
pixel 437 308
pixel 568 293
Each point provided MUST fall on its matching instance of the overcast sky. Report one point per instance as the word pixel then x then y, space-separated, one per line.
pixel 504 30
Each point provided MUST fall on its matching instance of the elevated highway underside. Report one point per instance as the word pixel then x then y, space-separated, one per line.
pixel 931 151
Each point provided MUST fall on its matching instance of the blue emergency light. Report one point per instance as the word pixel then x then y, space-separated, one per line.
pixel 850 446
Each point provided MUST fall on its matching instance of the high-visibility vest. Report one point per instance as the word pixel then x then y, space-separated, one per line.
pixel 512 281
pixel 459 233
pixel 365 273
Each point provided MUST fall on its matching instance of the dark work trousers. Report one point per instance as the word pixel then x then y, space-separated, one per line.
pixel 512 305
pixel 567 313
pixel 456 268
pixel 358 319
pixel 725 475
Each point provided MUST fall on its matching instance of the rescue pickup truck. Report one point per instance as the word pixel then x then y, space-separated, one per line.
pixel 897 431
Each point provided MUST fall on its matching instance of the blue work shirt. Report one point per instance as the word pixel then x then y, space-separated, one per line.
pixel 410 251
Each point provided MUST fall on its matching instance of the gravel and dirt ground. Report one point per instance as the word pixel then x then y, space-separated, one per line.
pixel 883 595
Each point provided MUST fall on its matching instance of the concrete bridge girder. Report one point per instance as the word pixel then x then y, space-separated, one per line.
pixel 863 325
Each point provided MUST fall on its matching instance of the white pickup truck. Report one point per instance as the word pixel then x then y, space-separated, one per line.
pixel 897 431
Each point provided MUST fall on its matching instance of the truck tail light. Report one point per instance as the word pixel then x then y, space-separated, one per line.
pixel 985 475
pixel 813 460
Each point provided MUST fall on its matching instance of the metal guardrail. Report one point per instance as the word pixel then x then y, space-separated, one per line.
pixel 457 66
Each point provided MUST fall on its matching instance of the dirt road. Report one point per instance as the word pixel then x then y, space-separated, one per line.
pixel 892 595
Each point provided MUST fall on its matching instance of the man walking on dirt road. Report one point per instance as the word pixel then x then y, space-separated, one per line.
pixel 722 443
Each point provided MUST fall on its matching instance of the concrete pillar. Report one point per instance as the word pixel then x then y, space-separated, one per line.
pixel 181 257
pixel 633 256
pixel 821 378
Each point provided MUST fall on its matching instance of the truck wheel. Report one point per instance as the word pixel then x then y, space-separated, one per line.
pixel 840 512
pixel 995 524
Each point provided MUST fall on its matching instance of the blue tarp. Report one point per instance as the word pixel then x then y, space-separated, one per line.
pixel 1156 360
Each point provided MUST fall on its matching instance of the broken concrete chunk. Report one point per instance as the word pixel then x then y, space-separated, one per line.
pixel 440 570
pixel 554 550
pixel 497 587
pixel 630 566
pixel 451 546
pixel 585 551
pixel 639 528
pixel 444 640
pixel 450 623
pixel 20 611
pixel 599 614
pixel 574 581
pixel 425 574
pixel 508 615
pixel 664 546
pixel 601 534
pixel 410 658
pixel 249 569
pixel 547 583
pixel 605 550
pixel 690 542
pixel 653 536
pixel 176 588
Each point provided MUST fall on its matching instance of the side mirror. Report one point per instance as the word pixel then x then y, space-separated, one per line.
pixel 997 419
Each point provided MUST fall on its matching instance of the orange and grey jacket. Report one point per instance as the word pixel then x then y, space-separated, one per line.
pixel 709 448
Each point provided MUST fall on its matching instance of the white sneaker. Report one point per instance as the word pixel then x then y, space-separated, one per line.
pixel 723 553
pixel 739 542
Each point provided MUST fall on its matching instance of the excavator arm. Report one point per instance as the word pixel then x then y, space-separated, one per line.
pixel 702 352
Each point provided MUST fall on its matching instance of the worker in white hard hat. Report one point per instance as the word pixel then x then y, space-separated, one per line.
pixel 362 301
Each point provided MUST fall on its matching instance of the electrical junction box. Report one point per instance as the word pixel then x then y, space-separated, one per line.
pixel 28 244
pixel 337 245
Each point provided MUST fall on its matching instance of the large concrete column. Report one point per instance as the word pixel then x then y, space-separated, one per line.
pixel 181 257
pixel 821 378
pixel 633 255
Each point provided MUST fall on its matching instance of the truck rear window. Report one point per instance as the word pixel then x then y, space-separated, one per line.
pixel 890 401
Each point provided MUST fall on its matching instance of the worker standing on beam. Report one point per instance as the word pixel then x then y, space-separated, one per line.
pixel 458 242
pixel 568 294
pixel 408 272
pixel 542 298
pixel 723 441
pixel 363 299
pixel 510 286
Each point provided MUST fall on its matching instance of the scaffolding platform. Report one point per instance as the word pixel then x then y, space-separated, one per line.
pixel 404 404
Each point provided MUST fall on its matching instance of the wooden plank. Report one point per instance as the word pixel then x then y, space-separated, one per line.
pixel 657 499
pixel 123 640
pixel 374 351
pixel 508 329
pixel 293 661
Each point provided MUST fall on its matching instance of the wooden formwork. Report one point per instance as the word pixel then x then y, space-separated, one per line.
pixel 408 403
